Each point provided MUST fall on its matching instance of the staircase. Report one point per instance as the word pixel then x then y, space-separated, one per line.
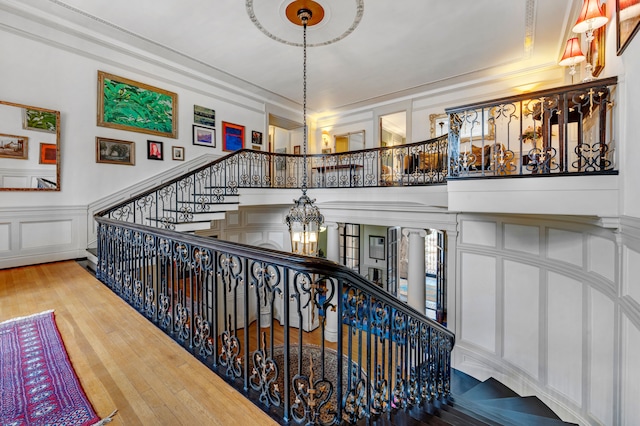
pixel 477 403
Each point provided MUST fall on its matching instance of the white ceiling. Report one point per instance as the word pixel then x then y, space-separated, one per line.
pixel 399 47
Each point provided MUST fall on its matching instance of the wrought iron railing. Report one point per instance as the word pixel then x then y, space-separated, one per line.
pixel 260 318
pixel 568 130
pixel 198 196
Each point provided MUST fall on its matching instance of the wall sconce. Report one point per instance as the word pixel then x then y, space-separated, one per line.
pixel 325 138
pixel 591 18
pixel 572 56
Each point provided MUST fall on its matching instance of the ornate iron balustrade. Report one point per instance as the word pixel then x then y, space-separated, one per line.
pixel 259 318
pixel 199 196
pixel 567 130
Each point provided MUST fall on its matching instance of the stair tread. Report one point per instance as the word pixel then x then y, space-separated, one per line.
pixel 524 404
pixel 489 389
pixel 462 382
pixel 522 419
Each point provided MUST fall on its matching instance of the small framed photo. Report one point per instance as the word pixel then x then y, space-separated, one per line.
pixel 12 146
pixel 232 136
pixel 48 153
pixel 296 150
pixel 204 116
pixel 256 137
pixel 113 151
pixel 177 153
pixel 36 119
pixel 326 150
pixel 154 150
pixel 204 136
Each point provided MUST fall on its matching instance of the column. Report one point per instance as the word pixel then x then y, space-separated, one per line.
pixel 333 253
pixel 416 292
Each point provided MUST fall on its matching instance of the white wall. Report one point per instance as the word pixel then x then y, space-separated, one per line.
pixel 55 69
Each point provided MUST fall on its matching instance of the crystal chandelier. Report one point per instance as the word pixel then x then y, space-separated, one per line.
pixel 304 219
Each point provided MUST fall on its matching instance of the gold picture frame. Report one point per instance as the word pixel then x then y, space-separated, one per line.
pixel 627 24
pixel 439 125
pixel 596 49
pixel 137 107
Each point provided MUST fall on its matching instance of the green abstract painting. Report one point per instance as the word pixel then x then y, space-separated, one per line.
pixel 128 105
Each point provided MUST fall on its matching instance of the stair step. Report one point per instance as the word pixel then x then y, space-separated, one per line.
pixel 524 404
pixel 222 205
pixel 489 389
pixel 200 216
pixel 196 225
pixel 519 418
pixel 462 382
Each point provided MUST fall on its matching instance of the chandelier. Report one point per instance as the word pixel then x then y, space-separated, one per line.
pixel 304 219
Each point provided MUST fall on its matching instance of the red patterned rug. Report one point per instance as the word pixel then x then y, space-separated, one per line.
pixel 38 385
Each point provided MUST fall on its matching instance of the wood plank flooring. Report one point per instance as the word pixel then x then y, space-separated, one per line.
pixel 122 361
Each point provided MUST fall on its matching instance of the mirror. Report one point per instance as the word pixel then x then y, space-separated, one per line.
pixel 353 141
pixel 393 129
pixel 29 148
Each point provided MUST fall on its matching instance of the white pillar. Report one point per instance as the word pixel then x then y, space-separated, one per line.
pixel 333 253
pixel 416 292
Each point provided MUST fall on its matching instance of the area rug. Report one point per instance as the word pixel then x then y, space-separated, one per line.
pixel 38 385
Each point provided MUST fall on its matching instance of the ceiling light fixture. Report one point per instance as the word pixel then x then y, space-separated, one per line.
pixel 304 219
pixel 572 56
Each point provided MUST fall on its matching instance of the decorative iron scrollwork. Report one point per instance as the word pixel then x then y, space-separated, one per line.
pixel 311 404
pixel 264 376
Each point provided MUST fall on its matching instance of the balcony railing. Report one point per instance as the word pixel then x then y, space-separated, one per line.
pixel 561 131
pixel 261 319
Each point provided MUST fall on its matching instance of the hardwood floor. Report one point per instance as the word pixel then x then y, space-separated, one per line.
pixel 122 361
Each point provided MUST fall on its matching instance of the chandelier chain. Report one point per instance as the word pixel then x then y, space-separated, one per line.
pixel 304 106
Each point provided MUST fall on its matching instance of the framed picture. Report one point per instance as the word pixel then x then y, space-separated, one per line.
pixel 154 150
pixel 204 116
pixel 280 161
pixel 113 151
pixel 128 105
pixel 471 129
pixel 232 136
pixel 596 48
pixel 296 150
pixel 376 247
pixel 43 121
pixel 204 136
pixel 627 23
pixel 326 150
pixel 48 153
pixel 256 137
pixel 13 146
pixel 177 153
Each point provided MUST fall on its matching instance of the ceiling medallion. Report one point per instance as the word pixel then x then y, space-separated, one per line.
pixel 264 18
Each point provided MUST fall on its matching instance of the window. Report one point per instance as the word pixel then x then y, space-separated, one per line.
pixel 350 246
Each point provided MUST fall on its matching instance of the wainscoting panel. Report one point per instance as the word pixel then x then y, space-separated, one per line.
pixel 601 357
pixel 565 334
pixel 631 272
pixel 478 279
pixel 522 238
pixel 5 232
pixel 630 397
pixel 521 316
pixel 565 246
pixel 479 233
pixel 34 235
pixel 43 233
pixel 602 255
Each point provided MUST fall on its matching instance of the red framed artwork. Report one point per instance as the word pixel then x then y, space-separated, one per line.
pixel 232 136
pixel 48 153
